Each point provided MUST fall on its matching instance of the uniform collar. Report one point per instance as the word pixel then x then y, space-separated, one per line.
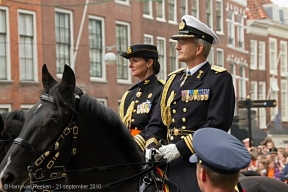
pixel 194 69
pixel 147 82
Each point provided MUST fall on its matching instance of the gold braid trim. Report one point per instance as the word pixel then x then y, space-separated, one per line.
pixel 151 140
pixel 127 118
pixel 236 188
pixel 121 107
pixel 140 141
pixel 188 140
pixel 165 108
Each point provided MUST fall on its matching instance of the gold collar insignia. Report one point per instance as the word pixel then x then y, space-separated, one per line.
pixel 146 81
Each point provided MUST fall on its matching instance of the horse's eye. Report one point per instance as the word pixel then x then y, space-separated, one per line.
pixel 53 123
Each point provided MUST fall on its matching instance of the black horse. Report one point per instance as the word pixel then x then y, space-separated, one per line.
pixel 74 129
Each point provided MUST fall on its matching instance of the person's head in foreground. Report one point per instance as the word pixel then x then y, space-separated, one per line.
pixel 219 157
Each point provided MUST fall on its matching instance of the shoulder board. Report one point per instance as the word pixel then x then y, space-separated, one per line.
pixel 161 81
pixel 177 71
pixel 218 69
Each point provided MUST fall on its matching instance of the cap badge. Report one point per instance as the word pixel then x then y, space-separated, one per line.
pixel 129 50
pixel 182 25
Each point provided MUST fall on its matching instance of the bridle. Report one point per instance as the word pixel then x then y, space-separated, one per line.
pixel 45 161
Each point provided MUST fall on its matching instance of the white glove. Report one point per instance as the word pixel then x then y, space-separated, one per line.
pixel 153 155
pixel 170 152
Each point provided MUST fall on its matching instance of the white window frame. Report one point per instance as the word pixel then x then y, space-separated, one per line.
pixel 273 63
pixel 6 106
pixel 71 64
pixel 176 60
pixel 35 50
pixel 242 82
pixel 233 74
pixel 254 90
pixel 103 101
pixel 261 55
pixel 174 21
pixel 221 23
pixel 123 2
pixel 231 29
pixel 149 37
pixel 284 99
pixel 211 14
pixel 219 50
pixel 150 6
pixel 162 19
pixel 26 106
pixel 274 95
pixel 275 11
pixel 283 59
pixel 186 8
pixel 103 78
pixel 253 54
pixel 163 68
pixel 262 110
pixel 197 9
pixel 210 57
pixel 240 28
pixel 7 47
pixel 129 78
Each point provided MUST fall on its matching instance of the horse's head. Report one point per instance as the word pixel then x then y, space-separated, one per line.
pixel 4 139
pixel 44 131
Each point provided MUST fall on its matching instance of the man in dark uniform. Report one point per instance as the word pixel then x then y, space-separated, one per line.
pixel 219 157
pixel 199 96
pixel 138 103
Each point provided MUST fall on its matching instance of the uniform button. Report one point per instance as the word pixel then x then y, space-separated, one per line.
pixel 174 102
pixel 183 127
pixel 134 110
pixel 135 128
pixel 136 101
pixel 173 120
pixel 184 119
pixel 184 110
pixel 132 120
pixel 174 110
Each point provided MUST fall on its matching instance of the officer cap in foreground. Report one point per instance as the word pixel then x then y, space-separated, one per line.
pixel 219 151
pixel 141 50
pixel 190 27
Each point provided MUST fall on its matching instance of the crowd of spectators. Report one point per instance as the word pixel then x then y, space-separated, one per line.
pixel 267 160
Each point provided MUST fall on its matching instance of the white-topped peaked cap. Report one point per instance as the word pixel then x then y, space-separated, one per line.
pixel 190 27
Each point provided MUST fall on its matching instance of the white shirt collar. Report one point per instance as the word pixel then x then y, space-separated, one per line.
pixel 194 69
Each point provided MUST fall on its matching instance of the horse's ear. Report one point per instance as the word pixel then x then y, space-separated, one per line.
pixel 2 124
pixel 68 82
pixel 47 80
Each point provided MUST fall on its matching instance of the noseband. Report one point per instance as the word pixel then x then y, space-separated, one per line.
pixel 46 160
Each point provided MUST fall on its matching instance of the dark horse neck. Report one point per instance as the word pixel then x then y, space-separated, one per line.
pixel 103 141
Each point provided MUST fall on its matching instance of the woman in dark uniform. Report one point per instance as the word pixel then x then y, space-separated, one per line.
pixel 137 104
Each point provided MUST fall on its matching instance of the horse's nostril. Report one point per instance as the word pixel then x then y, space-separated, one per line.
pixel 9 178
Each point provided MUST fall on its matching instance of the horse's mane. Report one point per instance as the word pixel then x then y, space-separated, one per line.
pixel 108 118
pixel 14 115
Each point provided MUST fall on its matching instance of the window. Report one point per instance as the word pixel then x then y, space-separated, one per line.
pixel 208 13
pixel 261 54
pixel 5 108
pixel 124 2
pixel 273 56
pixel 97 67
pixel 161 45
pixel 283 15
pixel 4 47
pixel 283 59
pixel 274 95
pixel 26 107
pixel 262 110
pixel 219 13
pixel 253 90
pixel 183 9
pixel 242 82
pixel 147 8
pixel 102 101
pixel 253 54
pixel 232 71
pixel 220 57
pixel 194 8
pixel 272 10
pixel 240 31
pixel 148 39
pixel 172 11
pixel 210 57
pixel 160 9
pixel 63 39
pixel 173 56
pixel 284 99
pixel 122 41
pixel 231 35
pixel 27 47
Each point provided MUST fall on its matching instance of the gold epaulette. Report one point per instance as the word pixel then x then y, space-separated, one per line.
pixel 177 71
pixel 218 69
pixel 161 81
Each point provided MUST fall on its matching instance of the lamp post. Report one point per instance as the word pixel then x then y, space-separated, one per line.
pixel 109 57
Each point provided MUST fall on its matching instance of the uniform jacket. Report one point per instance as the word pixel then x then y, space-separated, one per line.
pixel 206 99
pixel 143 98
